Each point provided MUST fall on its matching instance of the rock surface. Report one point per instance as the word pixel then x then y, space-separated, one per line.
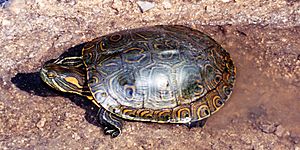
pixel 261 36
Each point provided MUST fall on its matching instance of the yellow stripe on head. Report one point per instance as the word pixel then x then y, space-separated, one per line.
pixel 65 74
pixel 74 81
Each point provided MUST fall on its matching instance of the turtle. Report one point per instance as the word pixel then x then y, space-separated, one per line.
pixel 162 74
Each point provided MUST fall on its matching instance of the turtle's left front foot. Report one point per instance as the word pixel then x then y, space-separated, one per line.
pixel 112 125
pixel 114 132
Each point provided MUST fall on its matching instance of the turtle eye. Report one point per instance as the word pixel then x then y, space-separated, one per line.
pixel 51 74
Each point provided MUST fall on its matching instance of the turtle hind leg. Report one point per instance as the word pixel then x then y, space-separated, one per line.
pixel 200 123
pixel 111 124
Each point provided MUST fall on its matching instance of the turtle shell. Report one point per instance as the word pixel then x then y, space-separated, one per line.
pixel 165 73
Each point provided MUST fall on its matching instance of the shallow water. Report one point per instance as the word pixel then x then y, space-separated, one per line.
pixel 263 92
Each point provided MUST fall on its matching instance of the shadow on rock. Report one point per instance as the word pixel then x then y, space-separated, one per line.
pixel 33 84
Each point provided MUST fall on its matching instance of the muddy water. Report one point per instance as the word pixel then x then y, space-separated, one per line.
pixel 262 93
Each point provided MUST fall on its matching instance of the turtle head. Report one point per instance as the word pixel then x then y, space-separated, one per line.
pixel 65 74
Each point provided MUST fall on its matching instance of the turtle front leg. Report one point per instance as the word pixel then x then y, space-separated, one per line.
pixel 112 124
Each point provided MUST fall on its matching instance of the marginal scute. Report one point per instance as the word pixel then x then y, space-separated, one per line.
pixel 145 113
pixel 129 112
pixel 163 115
pixel 182 114
pixel 213 99
pixel 200 109
pixel 165 74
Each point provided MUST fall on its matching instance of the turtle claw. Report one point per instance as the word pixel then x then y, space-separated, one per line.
pixel 114 132
pixel 200 123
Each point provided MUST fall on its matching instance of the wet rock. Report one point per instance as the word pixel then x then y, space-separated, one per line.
pixel 145 5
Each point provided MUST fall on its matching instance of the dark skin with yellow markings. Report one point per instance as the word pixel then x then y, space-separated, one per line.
pixel 67 76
